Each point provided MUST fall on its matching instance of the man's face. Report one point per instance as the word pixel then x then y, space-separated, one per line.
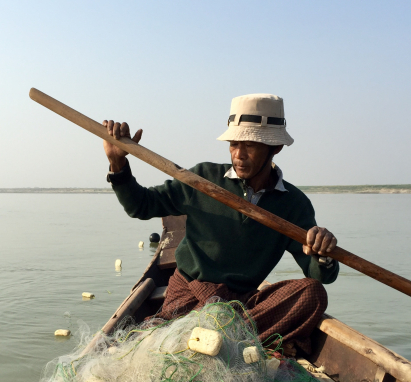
pixel 248 157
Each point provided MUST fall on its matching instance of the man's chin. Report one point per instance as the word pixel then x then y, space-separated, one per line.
pixel 242 174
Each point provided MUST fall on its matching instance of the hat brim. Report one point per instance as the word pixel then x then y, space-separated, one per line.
pixel 269 135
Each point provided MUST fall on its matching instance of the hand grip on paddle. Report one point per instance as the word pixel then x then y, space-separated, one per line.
pixel 262 216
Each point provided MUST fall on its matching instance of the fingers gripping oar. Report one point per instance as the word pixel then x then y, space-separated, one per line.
pixel 262 216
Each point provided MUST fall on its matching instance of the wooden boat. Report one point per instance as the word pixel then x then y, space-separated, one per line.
pixel 346 354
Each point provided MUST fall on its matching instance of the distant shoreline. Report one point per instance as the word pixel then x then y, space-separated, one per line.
pixel 365 189
pixel 38 190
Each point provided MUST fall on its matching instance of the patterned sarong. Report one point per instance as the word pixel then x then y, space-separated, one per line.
pixel 291 308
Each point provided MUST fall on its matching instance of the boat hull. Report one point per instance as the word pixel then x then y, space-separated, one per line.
pixel 345 354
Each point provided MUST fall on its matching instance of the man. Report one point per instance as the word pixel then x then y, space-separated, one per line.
pixel 225 253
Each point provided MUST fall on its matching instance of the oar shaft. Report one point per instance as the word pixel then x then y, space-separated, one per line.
pixel 262 216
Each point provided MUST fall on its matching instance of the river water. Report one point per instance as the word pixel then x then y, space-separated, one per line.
pixel 53 247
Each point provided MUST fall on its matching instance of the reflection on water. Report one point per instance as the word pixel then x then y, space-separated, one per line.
pixel 54 247
pixel 60 339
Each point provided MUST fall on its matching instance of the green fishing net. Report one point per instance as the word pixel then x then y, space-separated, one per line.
pixel 158 351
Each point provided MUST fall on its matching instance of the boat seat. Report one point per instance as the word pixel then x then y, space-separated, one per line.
pixel 159 294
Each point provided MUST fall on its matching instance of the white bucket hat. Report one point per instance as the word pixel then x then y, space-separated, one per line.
pixel 257 118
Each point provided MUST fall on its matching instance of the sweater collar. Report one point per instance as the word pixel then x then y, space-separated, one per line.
pixel 231 174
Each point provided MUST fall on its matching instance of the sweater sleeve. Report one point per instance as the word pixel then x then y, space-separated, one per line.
pixel 305 218
pixel 170 198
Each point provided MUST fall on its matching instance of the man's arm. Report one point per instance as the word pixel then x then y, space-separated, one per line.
pixel 138 201
pixel 312 258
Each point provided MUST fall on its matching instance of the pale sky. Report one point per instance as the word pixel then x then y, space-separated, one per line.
pixel 172 68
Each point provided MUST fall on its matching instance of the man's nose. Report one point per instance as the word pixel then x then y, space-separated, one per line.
pixel 241 153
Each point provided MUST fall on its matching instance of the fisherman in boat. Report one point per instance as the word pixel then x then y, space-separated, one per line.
pixel 225 253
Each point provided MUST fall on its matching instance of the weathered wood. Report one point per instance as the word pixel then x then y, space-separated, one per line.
pixel 167 258
pixel 131 304
pixel 174 232
pixel 262 216
pixel 174 223
pixel 382 376
pixel 365 350
pixel 172 239
pixel 341 362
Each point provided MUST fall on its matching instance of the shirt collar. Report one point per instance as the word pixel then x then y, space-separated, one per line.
pixel 231 174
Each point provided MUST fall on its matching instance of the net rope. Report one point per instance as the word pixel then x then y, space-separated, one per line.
pixel 158 350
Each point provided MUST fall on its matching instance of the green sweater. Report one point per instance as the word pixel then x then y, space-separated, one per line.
pixel 222 245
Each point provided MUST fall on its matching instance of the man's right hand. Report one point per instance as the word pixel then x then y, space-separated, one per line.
pixel 115 155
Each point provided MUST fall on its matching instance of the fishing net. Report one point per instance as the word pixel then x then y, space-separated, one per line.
pixel 158 350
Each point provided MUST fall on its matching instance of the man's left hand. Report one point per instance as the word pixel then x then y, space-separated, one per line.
pixel 320 241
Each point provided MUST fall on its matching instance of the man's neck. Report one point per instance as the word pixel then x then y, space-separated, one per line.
pixel 262 180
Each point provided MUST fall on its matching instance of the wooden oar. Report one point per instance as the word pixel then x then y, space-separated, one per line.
pixel 262 216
